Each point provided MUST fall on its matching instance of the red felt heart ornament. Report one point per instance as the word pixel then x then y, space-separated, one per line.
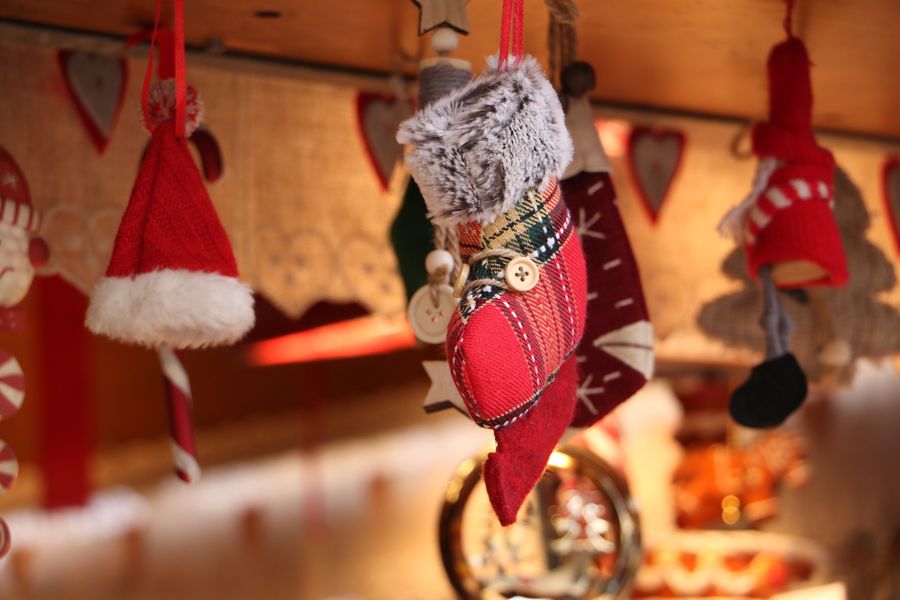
pixel 96 85
pixel 654 156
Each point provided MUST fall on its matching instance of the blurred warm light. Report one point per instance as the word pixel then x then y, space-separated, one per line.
pixel 613 135
pixel 560 461
pixel 364 336
pixel 834 591
pixel 731 509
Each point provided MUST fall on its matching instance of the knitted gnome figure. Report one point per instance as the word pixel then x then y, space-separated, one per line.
pixel 788 230
pixel 487 157
pixel 616 354
pixel 172 279
pixel 20 253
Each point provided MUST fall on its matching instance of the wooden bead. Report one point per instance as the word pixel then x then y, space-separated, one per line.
pixel 444 40
pixel 437 259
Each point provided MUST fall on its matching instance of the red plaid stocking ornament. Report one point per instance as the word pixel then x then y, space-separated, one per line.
pixel 486 158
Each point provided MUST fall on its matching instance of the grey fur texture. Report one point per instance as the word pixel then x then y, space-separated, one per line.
pixel 476 151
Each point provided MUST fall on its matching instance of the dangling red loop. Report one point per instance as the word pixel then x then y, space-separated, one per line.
pixel 148 74
pixel 788 18
pixel 171 63
pixel 180 71
pixel 513 18
pixel 166 67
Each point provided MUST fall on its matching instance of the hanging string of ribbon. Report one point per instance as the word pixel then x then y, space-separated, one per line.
pixel 172 64
pixel 512 25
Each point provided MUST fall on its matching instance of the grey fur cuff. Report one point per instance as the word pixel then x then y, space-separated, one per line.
pixel 478 150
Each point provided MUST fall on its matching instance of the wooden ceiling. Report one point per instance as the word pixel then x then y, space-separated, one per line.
pixel 703 56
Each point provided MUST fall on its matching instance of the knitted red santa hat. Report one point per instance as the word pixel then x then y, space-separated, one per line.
pixel 172 279
pixel 792 220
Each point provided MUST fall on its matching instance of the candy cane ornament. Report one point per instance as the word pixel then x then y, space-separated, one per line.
pixel 178 398
pixel 9 467
pixel 12 385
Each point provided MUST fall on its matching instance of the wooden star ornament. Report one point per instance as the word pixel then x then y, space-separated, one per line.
pixel 442 13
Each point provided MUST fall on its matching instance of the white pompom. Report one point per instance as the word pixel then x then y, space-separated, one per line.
pixel 161 107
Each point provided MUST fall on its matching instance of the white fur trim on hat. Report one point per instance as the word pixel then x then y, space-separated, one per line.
pixel 176 308
pixel 478 150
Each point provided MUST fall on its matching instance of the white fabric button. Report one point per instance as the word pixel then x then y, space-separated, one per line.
pixel 521 274
pixel 429 322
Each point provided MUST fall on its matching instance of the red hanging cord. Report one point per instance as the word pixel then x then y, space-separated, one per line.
pixel 788 18
pixel 148 74
pixel 180 71
pixel 505 20
pixel 518 40
pixel 513 18
pixel 166 67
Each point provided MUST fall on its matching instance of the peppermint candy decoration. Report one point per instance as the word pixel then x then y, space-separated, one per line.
pixel 9 467
pixel 12 385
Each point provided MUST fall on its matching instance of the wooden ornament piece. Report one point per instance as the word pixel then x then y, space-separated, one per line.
pixel 442 13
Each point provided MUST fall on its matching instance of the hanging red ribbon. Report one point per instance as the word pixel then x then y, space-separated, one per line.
pixel 180 71
pixel 166 67
pixel 172 63
pixel 513 21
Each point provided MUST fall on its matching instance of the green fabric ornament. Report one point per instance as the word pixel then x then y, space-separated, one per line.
pixel 412 239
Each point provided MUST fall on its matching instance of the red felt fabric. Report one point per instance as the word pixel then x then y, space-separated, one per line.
pixel 613 280
pixel 170 222
pixel 523 447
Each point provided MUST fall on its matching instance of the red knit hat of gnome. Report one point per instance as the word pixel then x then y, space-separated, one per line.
pixel 792 219
pixel 172 279
pixel 788 133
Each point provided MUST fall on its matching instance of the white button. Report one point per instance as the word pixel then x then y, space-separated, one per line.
pixel 429 322
pixel 521 274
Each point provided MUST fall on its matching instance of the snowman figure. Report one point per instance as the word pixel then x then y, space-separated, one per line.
pixel 20 252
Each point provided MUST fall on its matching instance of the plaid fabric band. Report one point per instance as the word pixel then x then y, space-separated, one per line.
pixel 537 227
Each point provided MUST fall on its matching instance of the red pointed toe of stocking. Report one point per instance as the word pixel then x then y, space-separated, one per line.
pixel 524 446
